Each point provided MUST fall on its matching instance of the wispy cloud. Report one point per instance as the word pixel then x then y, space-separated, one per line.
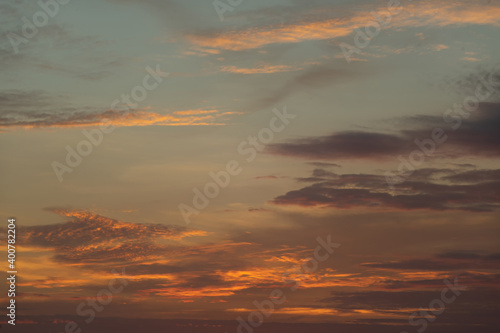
pixel 111 117
pixel 32 110
pixel 264 69
pixel 417 14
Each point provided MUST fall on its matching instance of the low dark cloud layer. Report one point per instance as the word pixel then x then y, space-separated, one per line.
pixel 37 109
pixel 475 191
pixel 475 135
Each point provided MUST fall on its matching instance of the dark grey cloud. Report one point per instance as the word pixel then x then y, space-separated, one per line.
pixel 474 306
pixel 380 300
pixel 469 255
pixel 477 135
pixel 430 190
pixel 416 264
pixel 474 176
pixel 453 261
pixel 344 145
pixel 325 164
pixel 467 84
pixel 318 175
pixel 466 279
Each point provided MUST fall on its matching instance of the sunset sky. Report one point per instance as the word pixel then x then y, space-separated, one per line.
pixel 192 157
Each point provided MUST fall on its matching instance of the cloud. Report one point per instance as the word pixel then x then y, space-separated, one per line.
pixel 469 255
pixel 418 14
pixel 467 84
pixel 451 261
pixel 469 279
pixel 90 237
pixel 19 100
pixel 475 176
pixel 324 164
pixel 313 77
pixel 270 177
pixel 476 136
pixel 480 304
pixel 108 118
pixel 344 145
pixel 264 69
pixel 426 191
pixel 36 109
pixel 156 259
pixel 129 324
pixel 33 55
pixel 175 15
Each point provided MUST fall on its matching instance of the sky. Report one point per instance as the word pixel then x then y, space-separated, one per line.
pixel 251 166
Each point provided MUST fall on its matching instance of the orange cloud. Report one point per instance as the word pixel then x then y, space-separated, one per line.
pixel 472 59
pixel 412 15
pixel 117 118
pixel 265 69
pixel 92 238
pixel 193 112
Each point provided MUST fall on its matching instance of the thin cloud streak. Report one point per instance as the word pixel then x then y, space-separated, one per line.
pixel 115 118
pixel 413 15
